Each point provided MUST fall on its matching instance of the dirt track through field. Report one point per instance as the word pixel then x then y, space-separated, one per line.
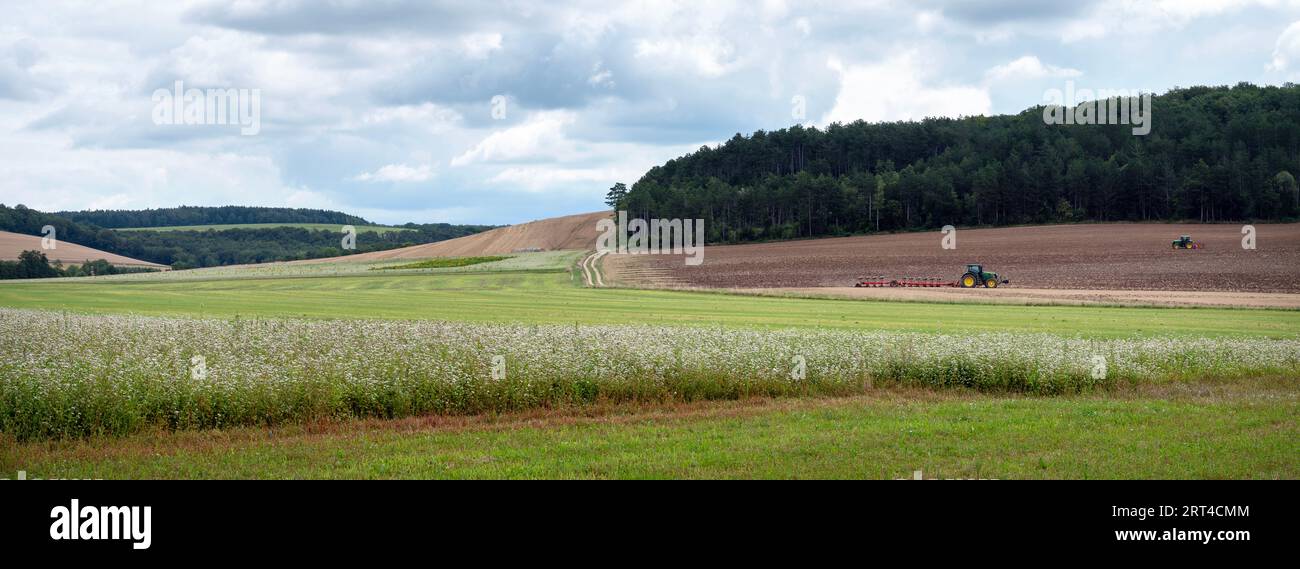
pixel 590 266
pixel 1093 257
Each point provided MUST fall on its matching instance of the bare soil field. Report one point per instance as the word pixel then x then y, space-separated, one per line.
pixel 11 244
pixel 1009 295
pixel 552 234
pixel 1110 257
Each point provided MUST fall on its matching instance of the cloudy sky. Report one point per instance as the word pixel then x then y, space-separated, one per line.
pixel 470 112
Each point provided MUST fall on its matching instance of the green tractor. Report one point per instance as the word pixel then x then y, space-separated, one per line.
pixel 1185 242
pixel 975 276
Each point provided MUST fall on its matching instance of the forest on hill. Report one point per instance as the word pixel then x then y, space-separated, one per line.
pixel 191 249
pixel 202 215
pixel 1213 154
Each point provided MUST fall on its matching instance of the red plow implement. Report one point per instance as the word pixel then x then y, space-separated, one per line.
pixel 903 281
pixel 975 276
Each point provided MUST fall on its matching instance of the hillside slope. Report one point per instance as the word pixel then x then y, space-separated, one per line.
pixel 552 234
pixel 11 244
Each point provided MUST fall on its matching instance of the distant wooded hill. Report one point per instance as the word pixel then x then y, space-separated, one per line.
pixel 184 249
pixel 197 215
pixel 1213 154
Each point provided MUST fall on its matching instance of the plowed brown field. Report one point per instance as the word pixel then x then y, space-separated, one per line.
pixel 552 234
pixel 1017 295
pixel 11 244
pixel 1120 256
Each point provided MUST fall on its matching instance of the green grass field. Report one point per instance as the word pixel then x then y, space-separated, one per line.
pixel 1238 430
pixel 548 261
pixel 553 297
pixel 1215 428
pixel 444 263
pixel 222 227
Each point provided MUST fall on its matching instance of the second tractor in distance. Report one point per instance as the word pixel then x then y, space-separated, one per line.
pixel 1185 242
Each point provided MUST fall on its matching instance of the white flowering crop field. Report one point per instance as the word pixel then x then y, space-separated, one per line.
pixel 71 375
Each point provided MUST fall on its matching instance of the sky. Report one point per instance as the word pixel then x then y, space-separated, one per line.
pixel 505 112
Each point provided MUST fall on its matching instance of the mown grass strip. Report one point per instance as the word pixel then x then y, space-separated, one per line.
pixel 442 263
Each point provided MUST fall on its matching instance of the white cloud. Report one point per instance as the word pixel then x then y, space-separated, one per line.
pixel 235 59
pixel 773 9
pixel 431 117
pixel 479 46
pixel 804 26
pixel 303 197
pixel 600 77
pixel 1127 17
pixel 593 172
pixel 928 20
pixel 1183 10
pixel 540 137
pixel 397 173
pixel 538 179
pixel 133 178
pixel 707 56
pixel 471 215
pixel 894 89
pixel 1287 50
pixel 1029 67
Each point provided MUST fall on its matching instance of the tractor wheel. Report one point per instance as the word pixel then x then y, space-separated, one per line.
pixel 968 281
pixel 991 283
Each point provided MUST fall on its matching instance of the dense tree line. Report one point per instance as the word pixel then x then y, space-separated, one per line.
pixel 197 215
pixel 190 249
pixel 1213 154
pixel 30 265
pixel 35 265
